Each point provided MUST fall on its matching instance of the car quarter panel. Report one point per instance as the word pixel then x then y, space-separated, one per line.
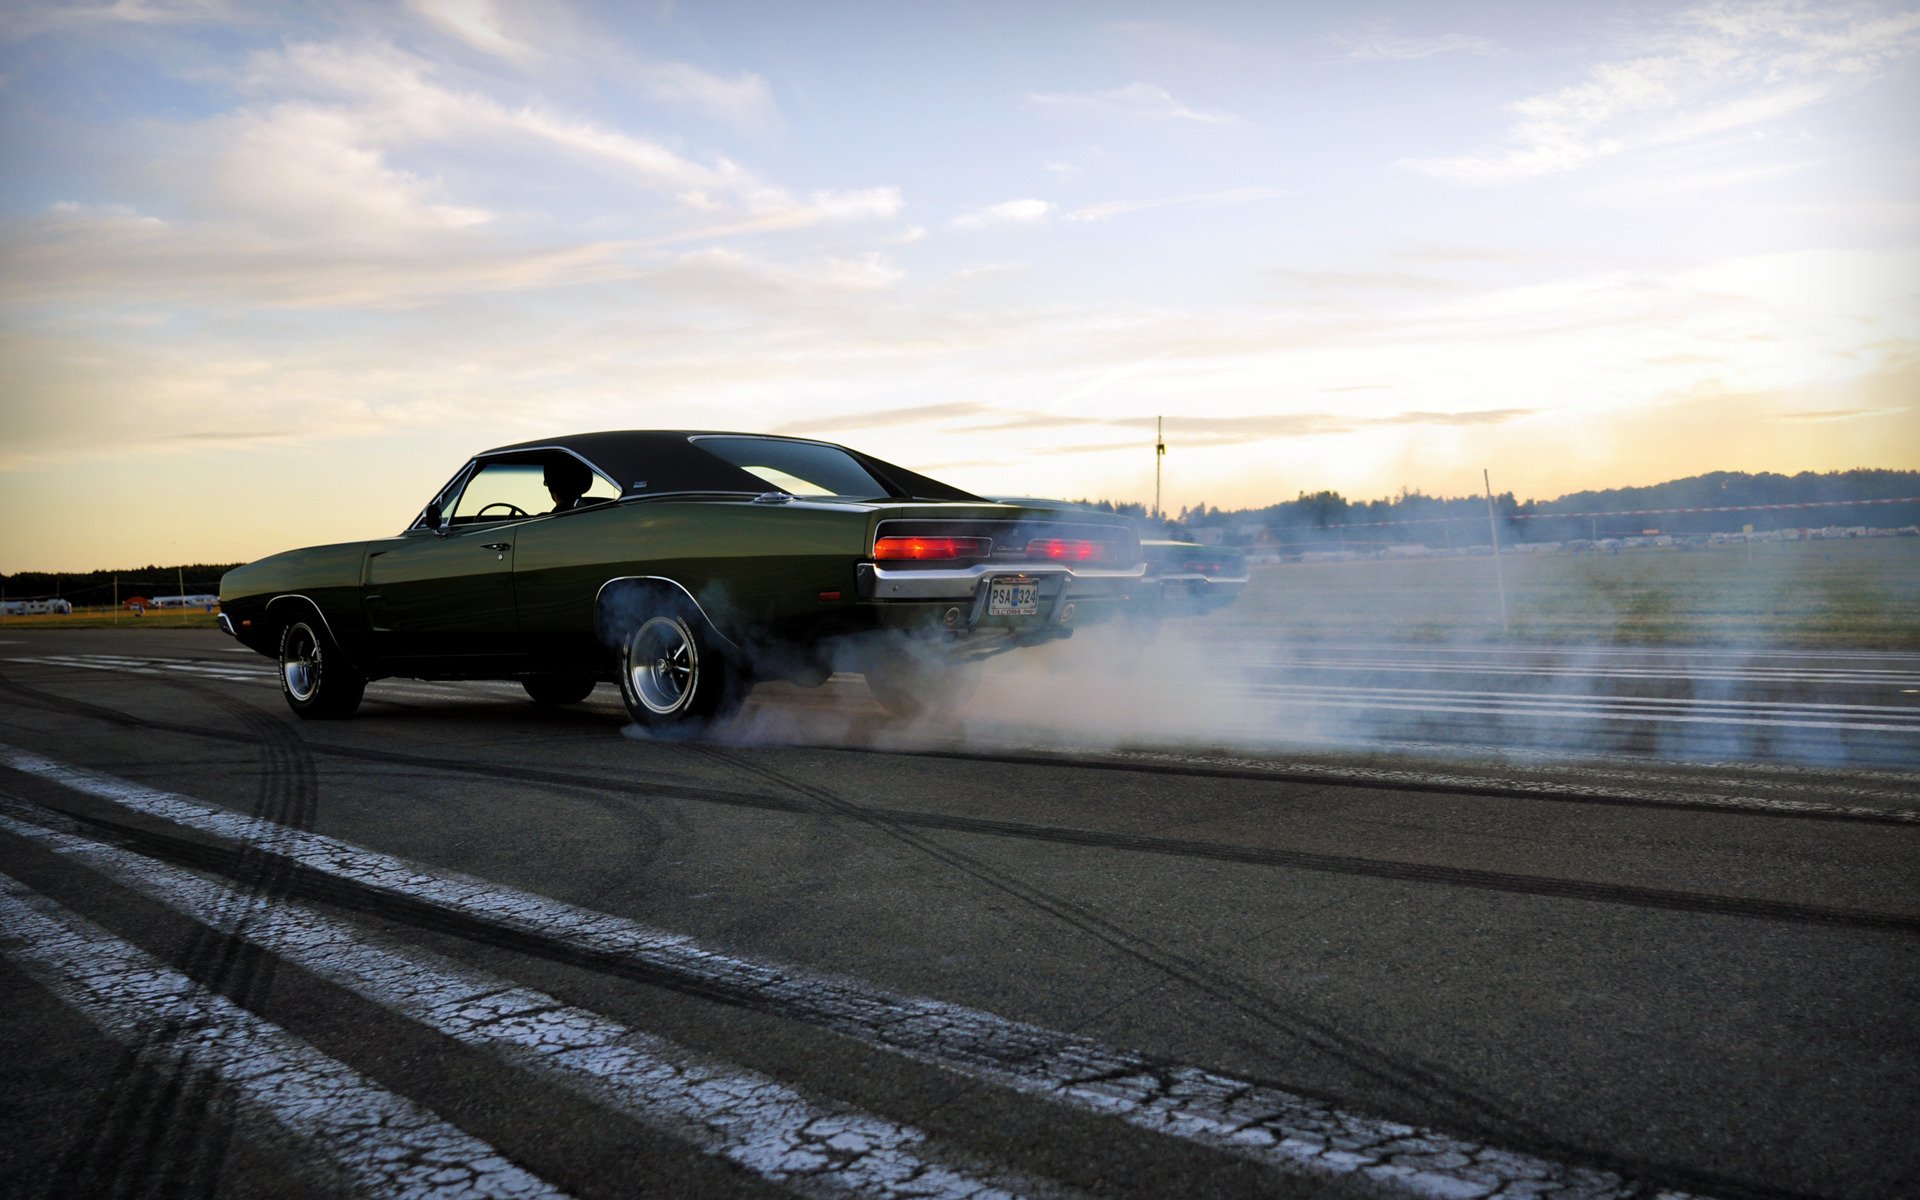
pixel 750 566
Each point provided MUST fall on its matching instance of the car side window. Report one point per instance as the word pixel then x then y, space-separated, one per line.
pixel 502 492
pixel 512 491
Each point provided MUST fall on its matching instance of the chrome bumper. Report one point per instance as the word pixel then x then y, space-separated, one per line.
pixel 967 583
pixel 226 625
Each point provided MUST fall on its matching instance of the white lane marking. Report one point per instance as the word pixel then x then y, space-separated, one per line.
pixel 1349 773
pixel 148 666
pixel 387 1144
pixel 1473 753
pixel 1604 715
pixel 762 1125
pixel 1802 656
pixel 1732 712
pixel 1550 698
pixel 1752 675
pixel 1264 1123
pixel 263 675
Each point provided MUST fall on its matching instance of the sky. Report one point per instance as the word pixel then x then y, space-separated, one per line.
pixel 269 274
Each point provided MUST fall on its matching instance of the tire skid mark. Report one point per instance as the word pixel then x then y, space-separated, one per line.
pixel 162 1128
pixel 755 1122
pixel 1147 761
pixel 1248 1117
pixel 1419 1080
pixel 1390 779
pixel 383 1143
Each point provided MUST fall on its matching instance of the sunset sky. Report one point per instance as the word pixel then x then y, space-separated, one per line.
pixel 270 274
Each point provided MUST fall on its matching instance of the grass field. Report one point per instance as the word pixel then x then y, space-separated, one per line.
pixel 1863 593
pixel 107 618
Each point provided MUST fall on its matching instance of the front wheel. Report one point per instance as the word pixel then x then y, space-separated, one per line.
pixel 673 675
pixel 315 676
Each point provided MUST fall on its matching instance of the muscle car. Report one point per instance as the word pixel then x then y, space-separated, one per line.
pixel 683 566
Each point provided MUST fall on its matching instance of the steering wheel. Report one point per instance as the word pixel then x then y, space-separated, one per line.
pixel 513 510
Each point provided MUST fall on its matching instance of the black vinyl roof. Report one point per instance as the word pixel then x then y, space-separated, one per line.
pixel 647 462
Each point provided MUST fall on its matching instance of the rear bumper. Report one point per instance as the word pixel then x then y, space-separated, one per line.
pixel 956 598
pixel 968 583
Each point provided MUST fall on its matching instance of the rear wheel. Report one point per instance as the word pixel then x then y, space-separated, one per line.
pixel 559 689
pixel 315 676
pixel 674 676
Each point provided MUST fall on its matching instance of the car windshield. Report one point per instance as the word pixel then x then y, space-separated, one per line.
pixel 797 468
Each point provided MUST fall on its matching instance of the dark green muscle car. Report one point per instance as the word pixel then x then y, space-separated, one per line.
pixel 683 566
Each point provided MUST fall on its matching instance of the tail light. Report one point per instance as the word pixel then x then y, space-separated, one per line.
pixel 1067 549
pixel 924 549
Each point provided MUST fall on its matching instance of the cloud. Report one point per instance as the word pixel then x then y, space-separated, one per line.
pixel 1377 42
pixel 886 418
pixel 302 170
pixel 1008 212
pixel 117 256
pixel 977 418
pixel 1359 282
pixel 394 99
pixel 1115 208
pixel 29 19
pixel 743 98
pixel 1138 100
pixel 478 23
pixel 521 35
pixel 1825 415
pixel 1717 68
pixel 989 270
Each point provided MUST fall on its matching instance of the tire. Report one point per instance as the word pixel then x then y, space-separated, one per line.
pixel 315 676
pixel 558 689
pixel 912 683
pixel 675 677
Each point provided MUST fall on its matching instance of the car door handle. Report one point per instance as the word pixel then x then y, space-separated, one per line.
pixel 501 546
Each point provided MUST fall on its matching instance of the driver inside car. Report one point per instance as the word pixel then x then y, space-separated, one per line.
pixel 567 480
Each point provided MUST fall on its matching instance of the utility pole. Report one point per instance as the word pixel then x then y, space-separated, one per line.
pixel 180 576
pixel 1159 452
pixel 1494 529
pixel 116 597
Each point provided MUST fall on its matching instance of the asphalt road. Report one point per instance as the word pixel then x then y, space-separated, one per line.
pixel 1182 917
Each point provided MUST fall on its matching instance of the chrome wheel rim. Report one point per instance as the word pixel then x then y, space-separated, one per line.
pixel 300 663
pixel 662 665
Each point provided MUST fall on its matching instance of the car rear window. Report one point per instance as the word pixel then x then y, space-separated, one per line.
pixel 798 468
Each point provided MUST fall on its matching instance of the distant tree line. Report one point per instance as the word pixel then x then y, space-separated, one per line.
pixel 95 588
pixel 1412 517
pixel 1329 519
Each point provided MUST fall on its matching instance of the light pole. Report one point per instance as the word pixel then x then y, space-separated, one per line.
pixel 1159 452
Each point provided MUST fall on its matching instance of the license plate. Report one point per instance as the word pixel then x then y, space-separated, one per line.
pixel 1013 599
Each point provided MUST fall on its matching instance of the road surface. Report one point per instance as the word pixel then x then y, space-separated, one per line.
pixel 1180 917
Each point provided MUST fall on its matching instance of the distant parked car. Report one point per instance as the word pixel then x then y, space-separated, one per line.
pixel 1182 578
pixel 1188 578
pixel 683 566
pixel 33 608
